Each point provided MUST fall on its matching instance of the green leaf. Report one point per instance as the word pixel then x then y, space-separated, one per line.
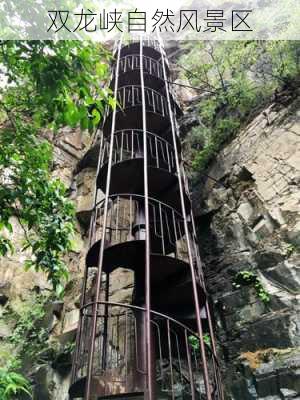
pixel 96 116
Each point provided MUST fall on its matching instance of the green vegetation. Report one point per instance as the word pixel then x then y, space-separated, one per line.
pixel 246 278
pixel 194 341
pixel 29 345
pixel 47 85
pixel 29 337
pixel 236 79
pixel 31 332
pixel 12 383
pixel 37 201
pixel 54 83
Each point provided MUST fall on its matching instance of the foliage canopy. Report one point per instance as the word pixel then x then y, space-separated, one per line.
pixel 46 85
pixel 237 78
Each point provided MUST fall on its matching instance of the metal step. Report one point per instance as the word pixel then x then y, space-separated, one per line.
pixel 177 292
pixel 125 396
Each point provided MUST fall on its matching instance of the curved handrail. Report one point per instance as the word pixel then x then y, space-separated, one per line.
pixel 161 103
pixel 147 42
pixel 148 133
pixel 136 66
pixel 145 88
pixel 128 143
pixel 133 307
pixel 125 195
pixel 143 309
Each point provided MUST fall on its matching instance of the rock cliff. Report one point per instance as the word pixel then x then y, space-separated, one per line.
pixel 247 213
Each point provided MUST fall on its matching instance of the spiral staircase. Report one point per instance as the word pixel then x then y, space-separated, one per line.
pixel 161 344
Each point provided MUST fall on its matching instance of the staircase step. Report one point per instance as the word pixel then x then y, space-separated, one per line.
pixel 125 396
pixel 177 292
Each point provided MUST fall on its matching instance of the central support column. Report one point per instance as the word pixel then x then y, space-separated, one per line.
pixel 139 233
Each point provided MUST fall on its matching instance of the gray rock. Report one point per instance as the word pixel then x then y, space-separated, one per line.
pixel 246 211
pixel 289 394
pixel 5 330
pixel 240 390
pixel 286 273
pixel 267 258
pixel 50 385
pixel 262 228
pixel 294 234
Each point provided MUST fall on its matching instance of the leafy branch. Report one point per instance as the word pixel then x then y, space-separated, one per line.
pixel 238 79
pixel 39 202
pixel 195 341
pixel 47 85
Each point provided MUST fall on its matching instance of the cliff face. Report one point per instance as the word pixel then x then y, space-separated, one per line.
pixel 248 221
pixel 249 234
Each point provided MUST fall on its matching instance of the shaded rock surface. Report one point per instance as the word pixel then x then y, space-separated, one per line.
pixel 249 221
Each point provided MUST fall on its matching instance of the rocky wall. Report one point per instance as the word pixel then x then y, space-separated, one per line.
pixel 247 213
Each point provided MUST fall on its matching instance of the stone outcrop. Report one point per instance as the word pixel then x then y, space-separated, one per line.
pixel 247 214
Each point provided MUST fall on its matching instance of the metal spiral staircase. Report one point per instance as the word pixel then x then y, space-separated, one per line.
pixel 155 347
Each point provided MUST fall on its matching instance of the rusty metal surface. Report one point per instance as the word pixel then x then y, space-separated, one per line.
pixel 144 223
pixel 178 368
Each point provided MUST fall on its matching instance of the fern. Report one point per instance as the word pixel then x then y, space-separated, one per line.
pixel 12 383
